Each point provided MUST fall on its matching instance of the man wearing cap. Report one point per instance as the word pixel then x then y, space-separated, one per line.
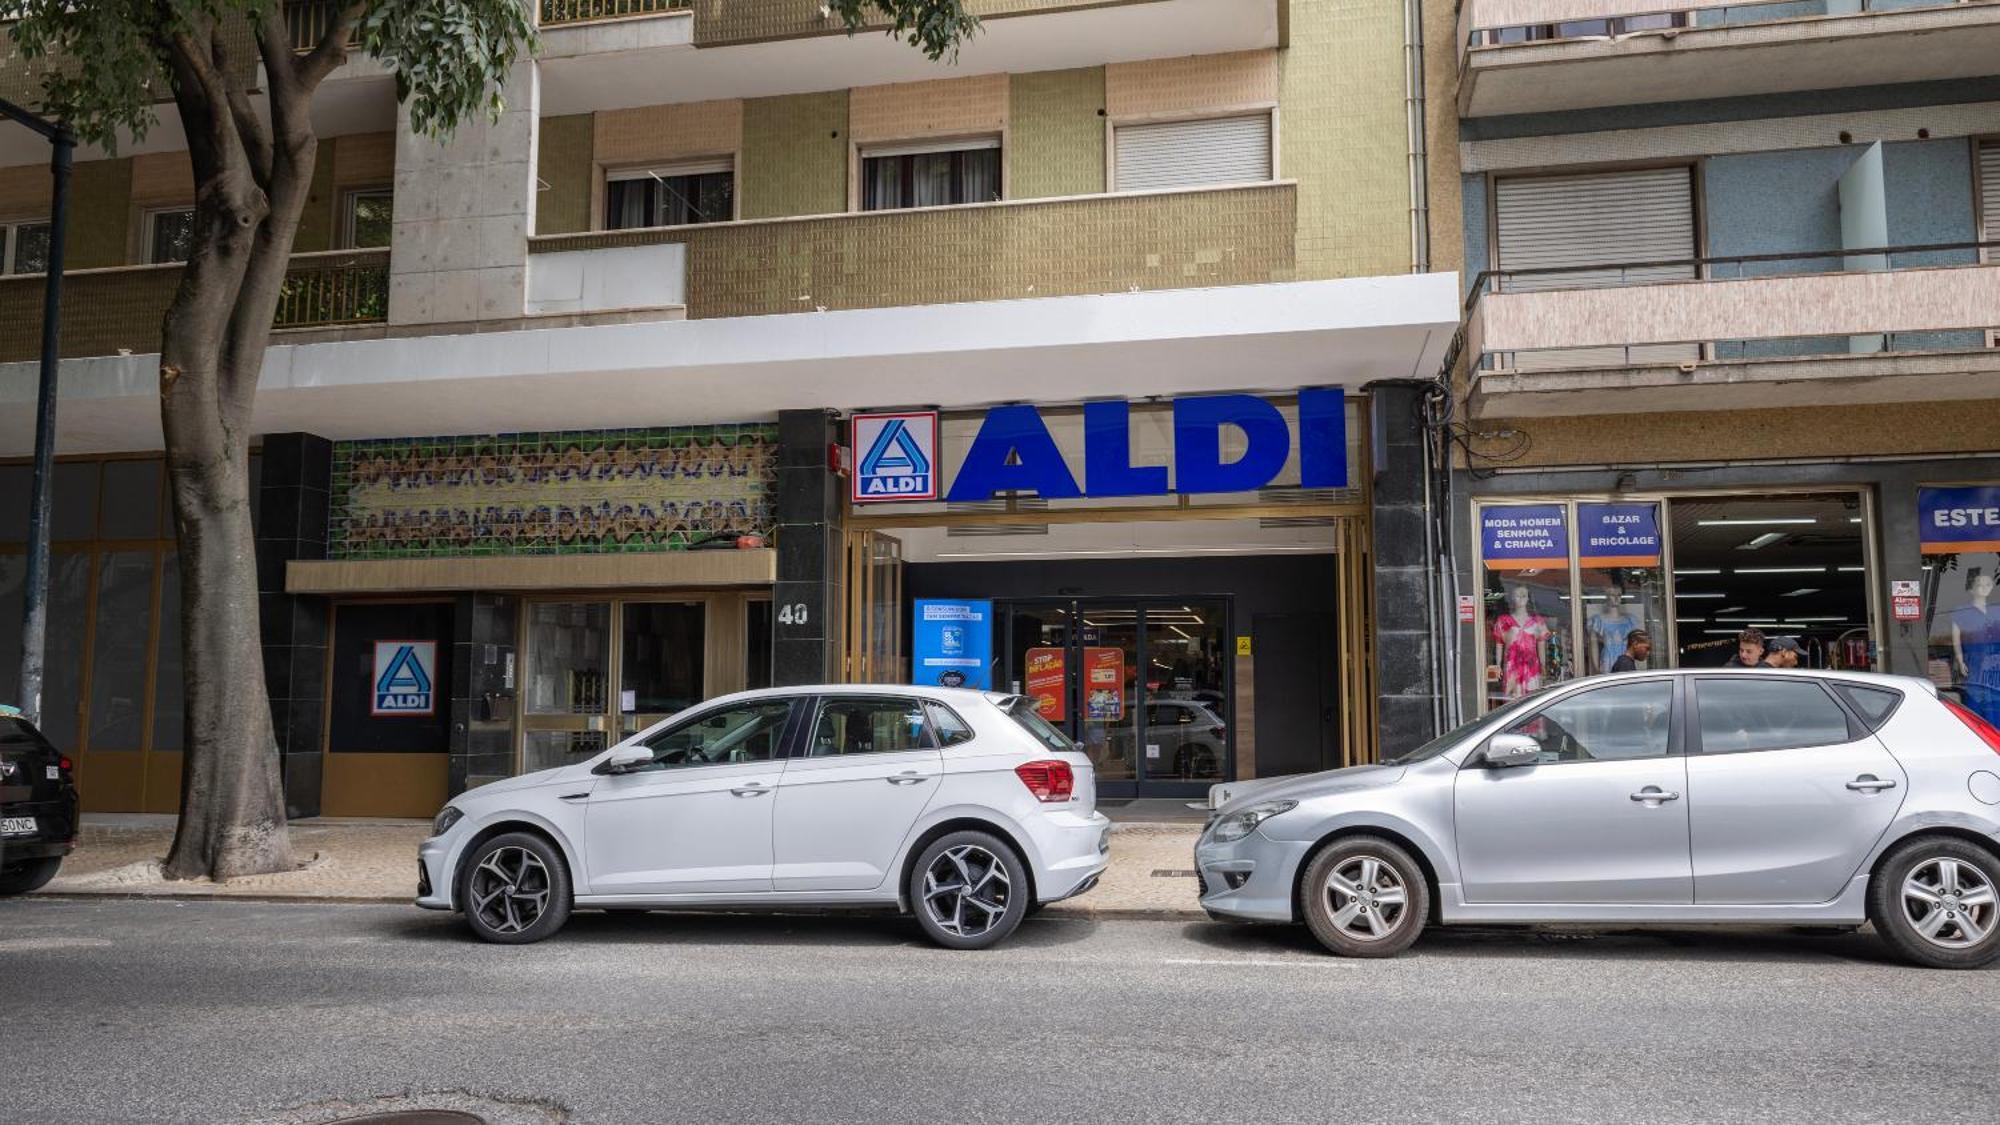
pixel 1784 653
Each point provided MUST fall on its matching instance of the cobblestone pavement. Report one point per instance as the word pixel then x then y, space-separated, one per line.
pixel 375 860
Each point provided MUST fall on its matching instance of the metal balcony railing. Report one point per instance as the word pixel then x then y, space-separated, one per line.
pixel 342 287
pixel 1504 23
pixel 557 12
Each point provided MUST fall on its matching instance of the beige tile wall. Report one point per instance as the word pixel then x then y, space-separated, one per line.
pixel 946 107
pixel 1193 85
pixel 662 133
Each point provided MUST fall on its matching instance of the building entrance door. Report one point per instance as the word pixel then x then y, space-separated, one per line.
pixel 1143 684
pixel 388 734
pixel 599 671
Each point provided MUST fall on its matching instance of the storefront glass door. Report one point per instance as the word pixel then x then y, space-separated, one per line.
pixel 659 661
pixel 564 694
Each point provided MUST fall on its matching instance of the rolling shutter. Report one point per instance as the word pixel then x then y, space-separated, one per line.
pixel 1595 228
pixel 1175 154
pixel 1989 196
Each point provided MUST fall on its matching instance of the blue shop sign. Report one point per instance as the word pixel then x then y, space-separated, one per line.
pixel 1014 451
pixel 1618 535
pixel 1523 537
pixel 1953 521
pixel 952 643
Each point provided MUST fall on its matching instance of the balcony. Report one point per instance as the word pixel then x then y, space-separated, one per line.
pixel 113 311
pixel 1538 56
pixel 1898 325
pixel 937 255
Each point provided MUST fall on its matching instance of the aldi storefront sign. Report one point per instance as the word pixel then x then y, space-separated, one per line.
pixel 405 681
pixel 1229 443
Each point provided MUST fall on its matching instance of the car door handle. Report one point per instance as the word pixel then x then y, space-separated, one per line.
pixel 574 796
pixel 754 789
pixel 1652 795
pixel 907 777
pixel 1869 783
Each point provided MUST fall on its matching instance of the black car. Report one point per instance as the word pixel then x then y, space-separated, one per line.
pixel 38 814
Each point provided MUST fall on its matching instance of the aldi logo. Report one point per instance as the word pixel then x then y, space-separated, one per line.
pixel 895 456
pixel 405 678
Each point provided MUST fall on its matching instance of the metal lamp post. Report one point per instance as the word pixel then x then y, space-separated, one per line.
pixel 35 597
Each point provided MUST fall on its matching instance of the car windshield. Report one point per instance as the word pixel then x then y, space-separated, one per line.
pixel 1022 710
pixel 1454 736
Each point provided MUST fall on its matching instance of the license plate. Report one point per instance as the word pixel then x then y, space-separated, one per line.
pixel 18 826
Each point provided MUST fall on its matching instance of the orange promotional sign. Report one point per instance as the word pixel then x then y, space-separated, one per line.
pixel 1104 684
pixel 1047 673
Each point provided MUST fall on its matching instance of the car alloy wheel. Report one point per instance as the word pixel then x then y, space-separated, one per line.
pixel 966 891
pixel 509 890
pixel 1949 903
pixel 1366 898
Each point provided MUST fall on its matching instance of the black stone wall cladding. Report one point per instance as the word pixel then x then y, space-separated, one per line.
pixel 1406 666
pixel 811 517
pixel 293 496
pixel 484 647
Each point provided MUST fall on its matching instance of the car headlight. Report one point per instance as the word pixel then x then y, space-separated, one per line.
pixel 1242 822
pixel 446 817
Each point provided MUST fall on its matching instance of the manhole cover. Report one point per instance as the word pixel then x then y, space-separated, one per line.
pixel 413 1117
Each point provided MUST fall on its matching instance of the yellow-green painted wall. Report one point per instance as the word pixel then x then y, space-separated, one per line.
pixel 1341 135
pixel 100 215
pixel 563 161
pixel 1055 133
pixel 316 219
pixel 794 155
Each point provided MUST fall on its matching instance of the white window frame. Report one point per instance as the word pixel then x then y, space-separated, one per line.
pixel 1268 111
pixel 704 166
pixel 10 242
pixel 151 223
pixel 924 146
pixel 347 200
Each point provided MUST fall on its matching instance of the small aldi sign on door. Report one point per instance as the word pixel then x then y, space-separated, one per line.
pixel 405 680
pixel 895 456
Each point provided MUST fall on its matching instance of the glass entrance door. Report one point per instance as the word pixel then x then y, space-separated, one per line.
pixel 565 701
pixel 659 661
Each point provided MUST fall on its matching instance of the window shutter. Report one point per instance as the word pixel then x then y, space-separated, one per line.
pixel 1176 154
pixel 1603 223
pixel 1989 196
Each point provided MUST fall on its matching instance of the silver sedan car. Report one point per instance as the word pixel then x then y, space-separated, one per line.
pixel 1751 796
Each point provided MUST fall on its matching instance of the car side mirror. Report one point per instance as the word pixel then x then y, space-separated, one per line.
pixel 1506 751
pixel 627 757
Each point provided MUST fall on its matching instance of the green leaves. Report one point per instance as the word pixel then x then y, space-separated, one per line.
pixel 450 57
pixel 935 27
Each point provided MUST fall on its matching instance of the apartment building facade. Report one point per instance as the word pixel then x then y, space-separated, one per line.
pixel 740 351
pixel 1729 339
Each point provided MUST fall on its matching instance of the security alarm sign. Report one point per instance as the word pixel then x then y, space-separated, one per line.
pixel 1905 602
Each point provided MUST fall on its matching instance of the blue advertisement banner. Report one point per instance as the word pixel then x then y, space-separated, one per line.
pixel 1610 535
pixel 1524 537
pixel 951 643
pixel 1953 521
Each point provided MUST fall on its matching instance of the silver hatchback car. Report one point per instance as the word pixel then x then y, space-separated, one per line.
pixel 1748 796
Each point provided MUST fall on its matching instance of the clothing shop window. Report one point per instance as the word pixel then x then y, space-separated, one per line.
pixel 169 234
pixel 1177 154
pixel 671 196
pixel 930 174
pixel 1961 551
pixel 24 247
pixel 366 218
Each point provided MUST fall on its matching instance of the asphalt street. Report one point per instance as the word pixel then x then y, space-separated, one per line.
pixel 130 1010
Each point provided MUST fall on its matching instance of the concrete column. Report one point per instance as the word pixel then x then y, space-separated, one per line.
pixel 464 207
pixel 1405 648
pixel 292 501
pixel 811 519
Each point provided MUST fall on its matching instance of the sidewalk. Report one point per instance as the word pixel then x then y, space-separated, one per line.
pixel 375 861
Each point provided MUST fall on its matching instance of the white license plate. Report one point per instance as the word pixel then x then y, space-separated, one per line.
pixel 18 826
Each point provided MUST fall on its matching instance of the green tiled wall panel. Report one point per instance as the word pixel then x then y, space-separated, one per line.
pixel 794 155
pixel 1055 133
pixel 1341 135
pixel 100 214
pixel 563 161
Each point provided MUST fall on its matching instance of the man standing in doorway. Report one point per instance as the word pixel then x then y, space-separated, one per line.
pixel 1784 653
pixel 1749 650
pixel 1638 646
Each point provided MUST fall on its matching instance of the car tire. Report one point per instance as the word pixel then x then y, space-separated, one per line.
pixel 514 889
pixel 27 876
pixel 969 890
pixel 1377 907
pixel 1933 899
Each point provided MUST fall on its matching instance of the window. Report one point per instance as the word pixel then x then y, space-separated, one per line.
pixel 951 730
pixel 1874 705
pixel 1177 154
pixel 670 197
pixel 747 732
pixel 869 726
pixel 169 234
pixel 366 218
pixel 1742 713
pixel 1617 723
pixel 930 175
pixel 24 247
pixel 1022 710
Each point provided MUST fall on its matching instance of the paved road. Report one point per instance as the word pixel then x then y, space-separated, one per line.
pixel 124 1010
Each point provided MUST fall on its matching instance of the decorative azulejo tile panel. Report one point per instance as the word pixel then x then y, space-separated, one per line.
pixel 569 492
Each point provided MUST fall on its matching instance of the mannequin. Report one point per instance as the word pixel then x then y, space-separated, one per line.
pixel 1975 646
pixel 1608 629
pixel 1518 635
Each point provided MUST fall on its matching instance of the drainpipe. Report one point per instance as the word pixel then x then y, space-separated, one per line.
pixel 1413 111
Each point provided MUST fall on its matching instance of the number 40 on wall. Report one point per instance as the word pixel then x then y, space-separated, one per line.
pixel 792 613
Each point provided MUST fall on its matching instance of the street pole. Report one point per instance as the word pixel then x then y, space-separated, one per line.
pixel 35 596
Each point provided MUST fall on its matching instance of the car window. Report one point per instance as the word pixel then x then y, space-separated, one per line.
pixel 1873 704
pixel 1740 713
pixel 951 730
pixel 869 726
pixel 1168 714
pixel 747 732
pixel 1615 723
pixel 1022 710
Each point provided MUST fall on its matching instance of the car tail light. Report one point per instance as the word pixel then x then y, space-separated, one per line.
pixel 65 764
pixel 1979 726
pixel 1049 780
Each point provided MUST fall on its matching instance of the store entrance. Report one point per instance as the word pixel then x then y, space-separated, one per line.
pixel 1144 684
pixel 1792 567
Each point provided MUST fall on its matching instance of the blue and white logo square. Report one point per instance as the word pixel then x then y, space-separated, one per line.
pixel 405 680
pixel 895 456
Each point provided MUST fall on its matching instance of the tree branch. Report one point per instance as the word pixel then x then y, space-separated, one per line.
pixel 250 128
pixel 330 53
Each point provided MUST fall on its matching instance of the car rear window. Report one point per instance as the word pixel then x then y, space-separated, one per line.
pixel 1873 704
pixel 1022 711
pixel 16 734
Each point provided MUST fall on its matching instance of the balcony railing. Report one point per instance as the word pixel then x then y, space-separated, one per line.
pixel 553 13
pixel 1902 299
pixel 1506 23
pixel 108 311
pixel 980 252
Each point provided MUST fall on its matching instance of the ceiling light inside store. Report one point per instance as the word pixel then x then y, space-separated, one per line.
pixel 1785 521
pixel 1781 570
pixel 1685 596
pixel 1761 541
pixel 1817 620
pixel 1732 609
pixel 1691 620
pixel 1800 592
pixel 1685 573
pixel 1850 569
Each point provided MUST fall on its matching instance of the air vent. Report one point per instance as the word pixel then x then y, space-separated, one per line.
pixel 1002 506
pixel 1280 523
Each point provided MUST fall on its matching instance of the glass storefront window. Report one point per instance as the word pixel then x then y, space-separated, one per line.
pixel 1961 551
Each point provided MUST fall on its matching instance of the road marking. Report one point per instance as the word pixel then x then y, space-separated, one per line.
pixel 1316 963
